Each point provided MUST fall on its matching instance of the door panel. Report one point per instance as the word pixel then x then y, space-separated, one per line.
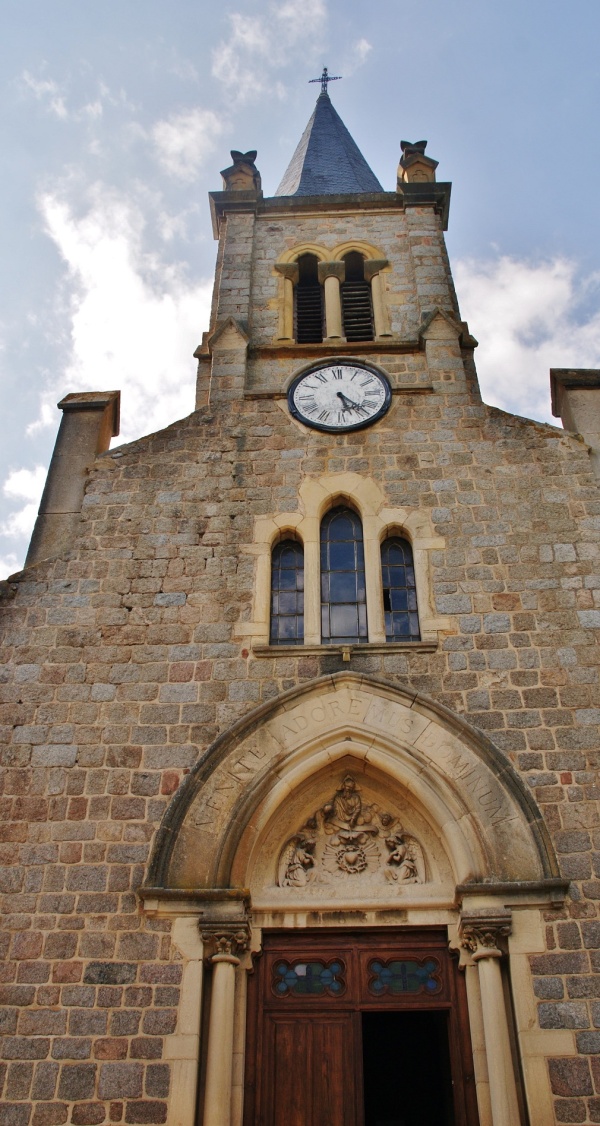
pixel 306 1002
pixel 308 1078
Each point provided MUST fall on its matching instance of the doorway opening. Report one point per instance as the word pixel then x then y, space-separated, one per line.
pixel 358 1028
pixel 406 1069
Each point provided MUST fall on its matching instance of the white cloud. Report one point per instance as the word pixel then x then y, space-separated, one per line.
pixel 53 96
pixel 360 51
pixel 529 317
pixel 257 45
pixel 131 319
pixel 184 140
pixel 9 564
pixel 48 91
pixel 21 485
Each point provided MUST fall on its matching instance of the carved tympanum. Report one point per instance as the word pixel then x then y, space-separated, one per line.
pixel 348 838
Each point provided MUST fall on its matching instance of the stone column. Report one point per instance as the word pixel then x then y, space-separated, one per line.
pixel 331 274
pixel 373 268
pixel 290 273
pixel 481 934
pixel 226 945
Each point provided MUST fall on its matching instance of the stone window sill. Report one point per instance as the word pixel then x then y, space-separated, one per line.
pixel 346 652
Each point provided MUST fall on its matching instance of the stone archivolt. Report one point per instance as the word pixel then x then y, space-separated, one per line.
pixel 349 839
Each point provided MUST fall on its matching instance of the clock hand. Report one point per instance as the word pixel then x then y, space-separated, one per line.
pixel 345 399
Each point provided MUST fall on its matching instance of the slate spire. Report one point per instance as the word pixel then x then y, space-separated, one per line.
pixel 327 160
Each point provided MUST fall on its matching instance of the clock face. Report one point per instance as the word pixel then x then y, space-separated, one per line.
pixel 339 396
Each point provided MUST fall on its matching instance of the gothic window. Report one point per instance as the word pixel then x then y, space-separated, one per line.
pixel 399 591
pixel 287 594
pixel 343 589
pixel 357 307
pixel 308 302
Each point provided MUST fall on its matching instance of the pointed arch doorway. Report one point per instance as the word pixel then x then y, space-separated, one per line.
pixel 360 809
pixel 358 1028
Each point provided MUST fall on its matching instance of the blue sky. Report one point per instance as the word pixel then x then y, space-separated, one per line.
pixel 117 118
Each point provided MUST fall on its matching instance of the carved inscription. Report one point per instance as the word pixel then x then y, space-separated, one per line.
pixel 373 711
pixel 471 775
pixel 232 778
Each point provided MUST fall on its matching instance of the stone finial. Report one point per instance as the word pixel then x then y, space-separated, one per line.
pixel 242 175
pixel 414 166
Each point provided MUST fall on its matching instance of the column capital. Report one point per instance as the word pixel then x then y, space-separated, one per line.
pixel 481 933
pixel 334 269
pixel 373 266
pixel 289 270
pixel 223 942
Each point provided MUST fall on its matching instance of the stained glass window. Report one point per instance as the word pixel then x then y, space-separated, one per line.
pixel 399 591
pixel 343 590
pixel 302 978
pixel 406 976
pixel 287 594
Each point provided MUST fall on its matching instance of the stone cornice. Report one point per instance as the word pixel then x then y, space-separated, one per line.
pixel 575 379
pixel 435 195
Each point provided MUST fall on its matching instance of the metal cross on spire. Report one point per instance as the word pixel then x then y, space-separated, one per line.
pixel 324 79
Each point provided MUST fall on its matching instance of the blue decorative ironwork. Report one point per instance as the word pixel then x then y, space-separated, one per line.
pixel 308 978
pixel 404 976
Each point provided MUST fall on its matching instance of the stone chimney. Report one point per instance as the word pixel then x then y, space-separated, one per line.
pixel 90 419
pixel 576 400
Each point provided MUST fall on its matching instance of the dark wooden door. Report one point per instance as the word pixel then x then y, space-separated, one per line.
pixel 317 1002
pixel 308 1059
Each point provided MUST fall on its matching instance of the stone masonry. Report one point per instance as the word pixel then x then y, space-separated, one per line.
pixel 125 657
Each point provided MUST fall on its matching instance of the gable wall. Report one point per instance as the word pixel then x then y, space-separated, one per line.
pixel 122 662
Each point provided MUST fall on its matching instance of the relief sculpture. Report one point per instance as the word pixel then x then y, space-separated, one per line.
pixel 350 839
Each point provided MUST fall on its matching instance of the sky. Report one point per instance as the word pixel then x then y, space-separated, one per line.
pixel 116 119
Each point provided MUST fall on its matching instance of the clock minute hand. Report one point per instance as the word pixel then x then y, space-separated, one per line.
pixel 345 400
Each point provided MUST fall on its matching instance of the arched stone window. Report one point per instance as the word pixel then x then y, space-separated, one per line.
pixel 308 302
pixel 399 591
pixel 357 306
pixel 343 586
pixel 287 593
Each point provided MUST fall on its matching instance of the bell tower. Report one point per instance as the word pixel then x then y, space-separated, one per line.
pixel 331 265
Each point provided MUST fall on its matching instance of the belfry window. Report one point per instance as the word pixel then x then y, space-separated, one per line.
pixel 287 594
pixel 343 588
pixel 399 591
pixel 308 302
pixel 357 307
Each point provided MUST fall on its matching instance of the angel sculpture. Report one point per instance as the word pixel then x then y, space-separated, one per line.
pixel 406 863
pixel 296 863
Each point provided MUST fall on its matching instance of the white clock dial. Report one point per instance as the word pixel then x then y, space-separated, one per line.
pixel 339 396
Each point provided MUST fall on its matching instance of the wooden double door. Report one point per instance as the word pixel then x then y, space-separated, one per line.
pixel 361 1028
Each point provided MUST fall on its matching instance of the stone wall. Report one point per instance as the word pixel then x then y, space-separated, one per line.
pixel 123 661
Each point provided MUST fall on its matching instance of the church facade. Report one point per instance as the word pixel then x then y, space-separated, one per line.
pixel 300 715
